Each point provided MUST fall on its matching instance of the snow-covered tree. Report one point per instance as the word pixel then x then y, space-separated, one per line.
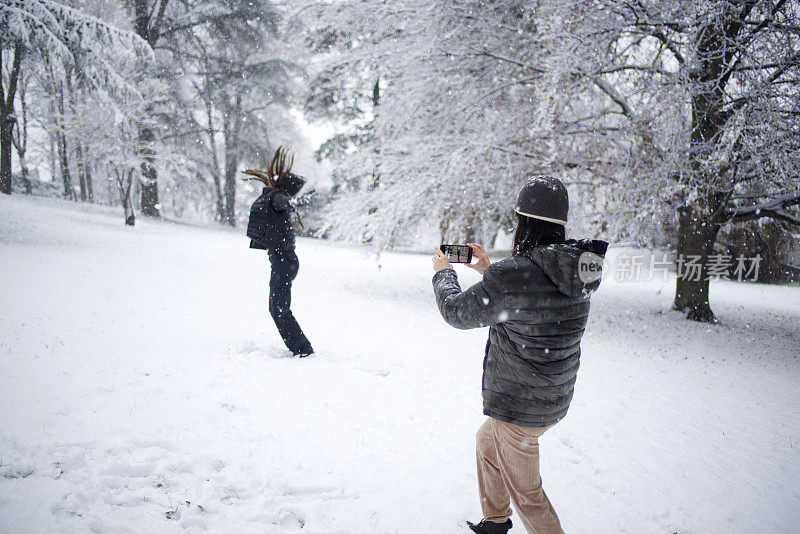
pixel 645 109
pixel 235 79
pixel 66 36
pixel 111 137
pixel 469 106
pixel 173 29
pixel 708 91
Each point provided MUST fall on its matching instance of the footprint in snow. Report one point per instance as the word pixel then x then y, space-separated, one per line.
pixel 291 518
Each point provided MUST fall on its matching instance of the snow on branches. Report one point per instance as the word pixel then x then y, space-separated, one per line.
pixel 68 35
pixel 643 107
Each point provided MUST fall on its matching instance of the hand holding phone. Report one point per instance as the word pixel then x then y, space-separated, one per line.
pixel 440 261
pixel 483 258
pixel 457 253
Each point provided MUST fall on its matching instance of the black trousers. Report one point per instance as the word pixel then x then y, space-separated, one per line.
pixel 284 270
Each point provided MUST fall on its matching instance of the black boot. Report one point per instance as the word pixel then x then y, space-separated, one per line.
pixel 487 527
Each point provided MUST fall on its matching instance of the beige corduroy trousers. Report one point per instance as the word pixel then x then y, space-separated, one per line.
pixel 508 471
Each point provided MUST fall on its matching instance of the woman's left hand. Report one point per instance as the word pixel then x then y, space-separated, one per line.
pixel 440 261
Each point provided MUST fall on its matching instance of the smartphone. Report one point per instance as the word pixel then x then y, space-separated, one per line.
pixel 457 253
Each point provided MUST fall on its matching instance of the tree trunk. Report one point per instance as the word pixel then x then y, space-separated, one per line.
pixel 7 118
pixel 150 202
pixel 231 166
pixel 52 155
pixel 215 161
pixel 52 131
pixel 81 172
pixel 23 165
pixel 444 226
pixel 6 180
pixel 109 188
pixel 89 185
pixel 471 229
pixel 698 220
pixel 20 140
pixel 70 97
pixel 6 128
pixel 220 197
pixel 127 203
pixel 232 161
pixel 125 185
pixel 63 160
pixel 146 24
pixel 696 237
pixel 149 199
pixel 63 152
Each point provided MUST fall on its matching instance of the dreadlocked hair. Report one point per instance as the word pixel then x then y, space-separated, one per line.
pixel 277 169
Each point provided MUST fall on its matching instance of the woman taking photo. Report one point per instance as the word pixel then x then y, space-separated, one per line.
pixel 536 304
pixel 270 228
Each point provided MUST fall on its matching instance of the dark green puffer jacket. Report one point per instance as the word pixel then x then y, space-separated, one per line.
pixel 536 307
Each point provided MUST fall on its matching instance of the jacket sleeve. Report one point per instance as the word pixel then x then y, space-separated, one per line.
pixel 280 201
pixel 480 305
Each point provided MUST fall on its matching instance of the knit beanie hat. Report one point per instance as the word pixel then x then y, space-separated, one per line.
pixel 544 197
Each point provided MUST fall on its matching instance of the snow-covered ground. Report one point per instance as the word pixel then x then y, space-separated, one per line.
pixel 144 388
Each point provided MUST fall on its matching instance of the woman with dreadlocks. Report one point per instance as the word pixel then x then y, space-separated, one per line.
pixel 270 229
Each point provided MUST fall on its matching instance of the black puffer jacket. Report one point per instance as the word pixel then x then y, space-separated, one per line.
pixel 536 307
pixel 270 225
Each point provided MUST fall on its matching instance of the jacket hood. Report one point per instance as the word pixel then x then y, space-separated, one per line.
pixel 574 266
pixel 293 183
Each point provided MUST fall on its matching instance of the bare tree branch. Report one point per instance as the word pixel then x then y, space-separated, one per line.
pixel 774 208
pixel 616 97
pixel 486 52
pixel 643 68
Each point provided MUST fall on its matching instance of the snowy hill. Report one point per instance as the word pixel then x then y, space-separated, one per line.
pixel 145 389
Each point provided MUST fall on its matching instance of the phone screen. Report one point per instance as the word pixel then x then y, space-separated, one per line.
pixel 457 253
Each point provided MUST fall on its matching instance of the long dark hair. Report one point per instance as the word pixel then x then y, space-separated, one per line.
pixel 281 165
pixel 277 169
pixel 533 232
